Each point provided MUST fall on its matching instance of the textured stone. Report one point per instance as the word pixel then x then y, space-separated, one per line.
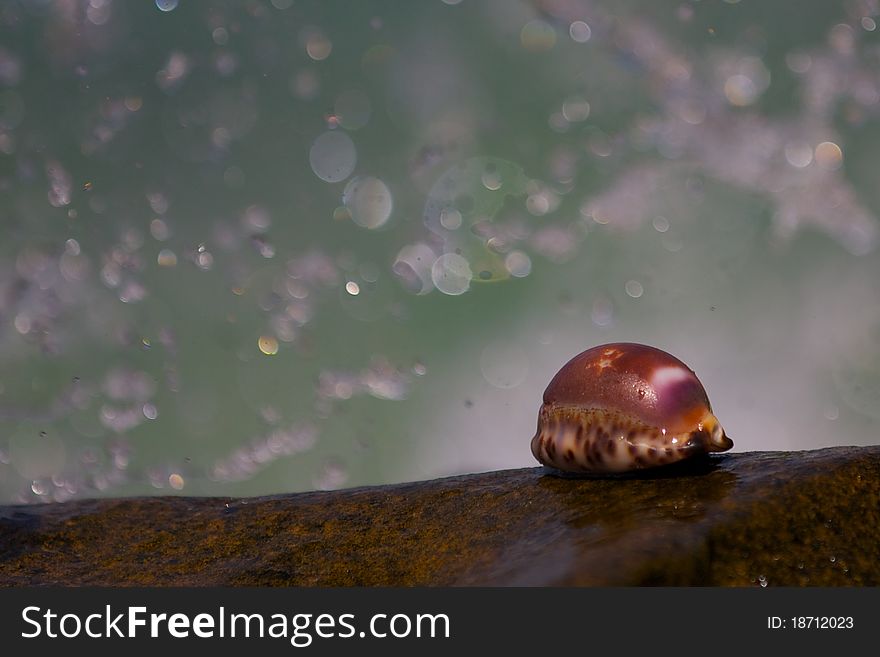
pixel 784 518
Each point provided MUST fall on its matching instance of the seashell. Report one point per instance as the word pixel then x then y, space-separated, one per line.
pixel 624 406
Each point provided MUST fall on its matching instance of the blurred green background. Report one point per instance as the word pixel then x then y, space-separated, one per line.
pixel 258 247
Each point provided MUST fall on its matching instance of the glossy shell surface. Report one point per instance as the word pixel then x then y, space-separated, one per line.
pixel 625 406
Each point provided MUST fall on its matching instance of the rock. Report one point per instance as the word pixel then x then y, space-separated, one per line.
pixel 774 518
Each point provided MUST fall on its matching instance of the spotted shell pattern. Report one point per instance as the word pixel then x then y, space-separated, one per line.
pixel 624 406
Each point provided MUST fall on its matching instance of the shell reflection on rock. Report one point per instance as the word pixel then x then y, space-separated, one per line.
pixel 624 406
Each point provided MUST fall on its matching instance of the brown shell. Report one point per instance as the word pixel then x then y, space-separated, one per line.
pixel 623 377
pixel 625 406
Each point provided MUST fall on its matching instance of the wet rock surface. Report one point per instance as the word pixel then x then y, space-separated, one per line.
pixel 760 518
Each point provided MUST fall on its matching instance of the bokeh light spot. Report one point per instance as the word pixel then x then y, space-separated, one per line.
pixel 333 156
pixel 829 156
pixel 518 264
pixel 798 154
pixel 318 46
pixel 579 31
pixel 661 224
pixel 634 289
pixel 575 109
pixel 167 5
pixel 450 218
pixel 369 201
pixel 451 274
pixel 268 345
pixel 538 36
pixel 413 267
pixel 167 258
